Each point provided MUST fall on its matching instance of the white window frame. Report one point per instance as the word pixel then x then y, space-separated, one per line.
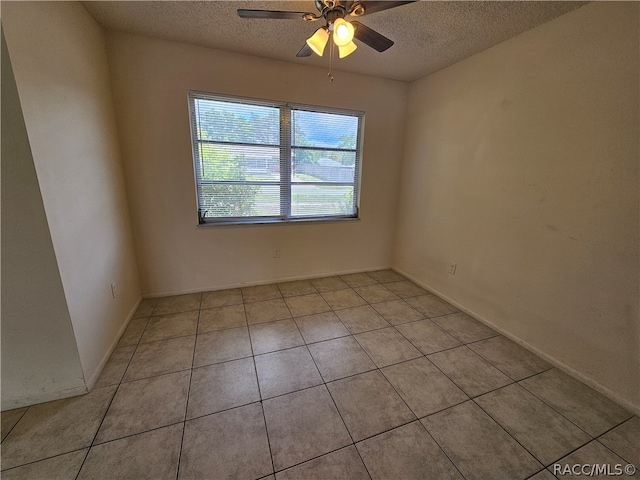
pixel 286 148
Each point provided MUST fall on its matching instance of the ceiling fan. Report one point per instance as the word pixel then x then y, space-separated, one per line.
pixel 334 13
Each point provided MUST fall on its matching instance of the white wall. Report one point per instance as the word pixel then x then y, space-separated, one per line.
pixel 151 79
pixel 521 165
pixel 60 64
pixel 39 353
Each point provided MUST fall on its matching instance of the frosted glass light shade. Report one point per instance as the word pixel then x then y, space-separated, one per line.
pixel 342 32
pixel 318 41
pixel 347 49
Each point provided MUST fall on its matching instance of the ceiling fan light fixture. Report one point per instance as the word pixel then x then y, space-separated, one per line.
pixel 342 32
pixel 345 50
pixel 318 41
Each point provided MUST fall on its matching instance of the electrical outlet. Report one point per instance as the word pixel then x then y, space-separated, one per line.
pixel 276 253
pixel 114 290
pixel 452 268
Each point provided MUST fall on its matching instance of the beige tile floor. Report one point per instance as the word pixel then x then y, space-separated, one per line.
pixel 352 377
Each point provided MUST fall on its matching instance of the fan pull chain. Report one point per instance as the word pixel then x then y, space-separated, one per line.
pixel 330 74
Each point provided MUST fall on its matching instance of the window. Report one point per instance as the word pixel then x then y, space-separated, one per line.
pixel 261 161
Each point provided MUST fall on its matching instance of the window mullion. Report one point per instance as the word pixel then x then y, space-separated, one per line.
pixel 285 161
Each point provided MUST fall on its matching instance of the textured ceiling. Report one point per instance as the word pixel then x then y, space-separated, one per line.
pixel 428 35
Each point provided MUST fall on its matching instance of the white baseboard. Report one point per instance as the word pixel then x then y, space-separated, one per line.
pixel 94 377
pixel 263 282
pixel 75 391
pixel 42 397
pixel 607 392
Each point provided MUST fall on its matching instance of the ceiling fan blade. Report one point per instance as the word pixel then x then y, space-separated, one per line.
pixel 305 51
pixel 372 38
pixel 373 7
pixel 272 14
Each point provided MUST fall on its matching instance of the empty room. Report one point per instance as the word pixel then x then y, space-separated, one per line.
pixel 332 239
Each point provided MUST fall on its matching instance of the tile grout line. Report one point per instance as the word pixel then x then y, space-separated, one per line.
pixel 47 458
pixel 215 413
pixel 432 318
pixel 536 473
pixel 17 421
pixel 170 338
pixel 266 431
pixel 496 366
pixel 399 396
pixel 444 409
pixel 591 440
pixel 379 369
pixel 441 329
pixel 326 339
pixel 486 362
pixel 605 446
pixel 255 370
pixel 178 312
pixel 551 406
pixel 416 347
pixel 530 376
pixel 329 391
pixel 614 427
pixel 186 407
pixel 129 435
pixel 422 319
pixel 441 448
pixel 335 405
pixel 115 392
pixel 513 380
pixel 475 403
pixel 162 374
pixel 402 399
pixel 315 458
pixel 471 397
pixel 508 433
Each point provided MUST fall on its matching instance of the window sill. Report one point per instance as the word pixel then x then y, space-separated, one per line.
pixel 277 221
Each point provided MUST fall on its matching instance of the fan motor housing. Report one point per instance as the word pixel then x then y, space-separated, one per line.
pixel 332 9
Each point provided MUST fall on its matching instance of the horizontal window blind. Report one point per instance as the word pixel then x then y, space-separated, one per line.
pixel 261 161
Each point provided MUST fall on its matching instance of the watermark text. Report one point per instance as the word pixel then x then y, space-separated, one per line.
pixel 593 469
